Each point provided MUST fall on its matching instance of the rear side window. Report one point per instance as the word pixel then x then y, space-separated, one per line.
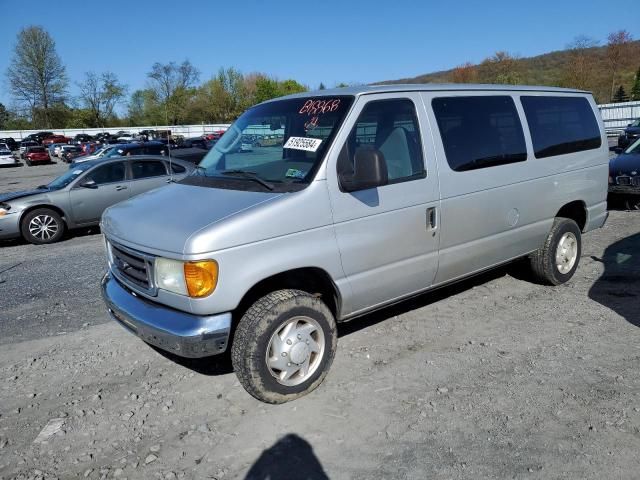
pixel 146 169
pixel 479 132
pixel 561 125
pixel 390 126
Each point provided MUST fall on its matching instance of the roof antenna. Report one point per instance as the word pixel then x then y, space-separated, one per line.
pixel 166 119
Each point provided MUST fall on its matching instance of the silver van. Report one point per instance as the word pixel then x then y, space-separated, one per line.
pixel 365 197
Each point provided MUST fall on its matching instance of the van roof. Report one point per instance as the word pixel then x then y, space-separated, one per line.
pixel 431 87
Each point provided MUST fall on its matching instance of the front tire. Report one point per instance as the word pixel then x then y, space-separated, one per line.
pixel 42 226
pixel 556 261
pixel 28 162
pixel 284 346
pixel 632 202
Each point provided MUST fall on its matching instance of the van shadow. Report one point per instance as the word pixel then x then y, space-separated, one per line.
pixel 290 458
pixel 221 364
pixel 619 286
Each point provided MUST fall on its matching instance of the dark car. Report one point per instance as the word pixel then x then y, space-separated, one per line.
pixel 38 137
pixel 195 142
pixel 630 134
pixel 81 138
pixel 11 143
pixel 78 197
pixel 624 176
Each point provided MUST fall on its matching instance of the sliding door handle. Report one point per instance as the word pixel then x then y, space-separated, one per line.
pixel 432 219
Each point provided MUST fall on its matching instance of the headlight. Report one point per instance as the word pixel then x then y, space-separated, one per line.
pixel 611 180
pixel 195 279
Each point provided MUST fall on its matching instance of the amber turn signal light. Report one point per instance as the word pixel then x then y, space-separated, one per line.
pixel 201 277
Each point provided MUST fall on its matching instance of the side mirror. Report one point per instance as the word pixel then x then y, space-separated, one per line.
pixel 370 171
pixel 89 184
pixel 617 150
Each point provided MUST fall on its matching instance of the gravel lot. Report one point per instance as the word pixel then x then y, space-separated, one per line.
pixel 496 377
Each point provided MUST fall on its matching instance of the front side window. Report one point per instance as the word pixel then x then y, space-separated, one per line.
pixel 110 173
pixel 561 125
pixel 277 145
pixel 391 127
pixel 145 169
pixel 479 131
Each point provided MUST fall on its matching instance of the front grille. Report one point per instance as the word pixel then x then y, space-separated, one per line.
pixel 132 267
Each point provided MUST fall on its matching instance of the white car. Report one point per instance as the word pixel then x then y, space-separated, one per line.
pixel 6 157
pixel 97 154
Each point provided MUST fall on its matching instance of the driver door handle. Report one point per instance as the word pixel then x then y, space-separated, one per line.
pixel 121 187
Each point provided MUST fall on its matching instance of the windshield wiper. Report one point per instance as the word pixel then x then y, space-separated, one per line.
pixel 249 175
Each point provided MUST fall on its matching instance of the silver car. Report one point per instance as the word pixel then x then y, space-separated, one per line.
pixel 79 196
pixel 375 194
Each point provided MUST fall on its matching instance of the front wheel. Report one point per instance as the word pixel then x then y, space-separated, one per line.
pixel 632 202
pixel 557 259
pixel 284 345
pixel 42 226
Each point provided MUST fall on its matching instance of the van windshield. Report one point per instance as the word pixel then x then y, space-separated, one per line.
pixel 277 145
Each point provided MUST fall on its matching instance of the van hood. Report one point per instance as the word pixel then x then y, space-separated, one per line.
pixel 164 219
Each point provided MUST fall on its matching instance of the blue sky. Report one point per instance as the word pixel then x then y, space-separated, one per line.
pixel 327 41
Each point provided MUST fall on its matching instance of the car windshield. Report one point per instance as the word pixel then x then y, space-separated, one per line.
pixel 104 151
pixel 634 147
pixel 69 176
pixel 635 123
pixel 278 144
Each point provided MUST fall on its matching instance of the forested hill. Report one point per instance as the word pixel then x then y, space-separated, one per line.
pixel 588 68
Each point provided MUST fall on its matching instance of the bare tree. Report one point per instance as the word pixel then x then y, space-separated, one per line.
pixel 100 94
pixel 579 69
pixel 36 75
pixel 171 83
pixel 617 47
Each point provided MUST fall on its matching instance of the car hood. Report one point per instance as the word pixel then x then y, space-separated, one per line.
pixel 632 130
pixel 6 197
pixel 625 164
pixel 164 219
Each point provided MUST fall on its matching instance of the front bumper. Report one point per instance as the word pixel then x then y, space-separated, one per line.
pixel 181 333
pixel 624 189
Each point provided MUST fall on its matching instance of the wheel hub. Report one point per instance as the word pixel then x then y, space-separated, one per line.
pixel 299 353
pixel 566 253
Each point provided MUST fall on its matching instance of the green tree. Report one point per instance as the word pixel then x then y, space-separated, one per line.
pixel 173 86
pixel 266 89
pixel 620 96
pixel 635 90
pixel 501 68
pixel 321 86
pixel 4 116
pixel 288 87
pixel 37 77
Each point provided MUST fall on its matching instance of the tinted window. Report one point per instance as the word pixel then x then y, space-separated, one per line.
pixel 177 168
pixel 152 150
pixel 561 125
pixel 390 126
pixel 113 172
pixel 480 132
pixel 146 169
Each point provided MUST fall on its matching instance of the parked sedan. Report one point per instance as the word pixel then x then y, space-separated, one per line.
pixel 630 134
pixel 78 197
pixel 6 157
pixel 624 176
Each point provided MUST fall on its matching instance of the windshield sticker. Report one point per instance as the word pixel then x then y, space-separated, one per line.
pixel 318 107
pixel 302 143
pixel 294 173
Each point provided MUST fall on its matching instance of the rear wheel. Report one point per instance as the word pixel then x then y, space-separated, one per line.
pixel 28 162
pixel 284 345
pixel 42 226
pixel 557 259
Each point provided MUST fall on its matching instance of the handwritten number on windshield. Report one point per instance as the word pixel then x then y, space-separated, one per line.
pixel 317 107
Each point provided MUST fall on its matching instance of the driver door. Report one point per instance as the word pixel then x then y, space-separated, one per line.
pixel 111 186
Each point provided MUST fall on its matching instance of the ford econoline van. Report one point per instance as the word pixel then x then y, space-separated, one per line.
pixel 375 194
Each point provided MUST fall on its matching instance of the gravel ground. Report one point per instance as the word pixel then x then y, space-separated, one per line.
pixel 496 377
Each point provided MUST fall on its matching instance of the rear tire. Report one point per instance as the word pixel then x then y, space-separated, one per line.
pixel 556 261
pixel 28 162
pixel 42 226
pixel 284 345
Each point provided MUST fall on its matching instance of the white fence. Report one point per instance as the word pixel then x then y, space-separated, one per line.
pixel 184 130
pixel 616 116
